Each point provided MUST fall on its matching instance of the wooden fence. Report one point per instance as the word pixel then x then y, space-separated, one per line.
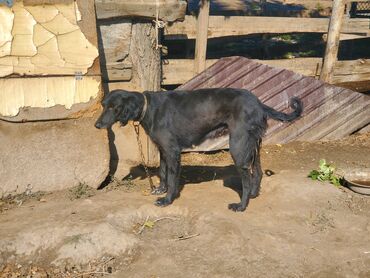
pixel 355 73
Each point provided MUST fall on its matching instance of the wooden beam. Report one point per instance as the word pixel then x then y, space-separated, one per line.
pixel 169 10
pixel 220 26
pixel 115 38
pixel 345 72
pixel 332 45
pixel 176 71
pixel 146 65
pixel 201 37
pixel 352 71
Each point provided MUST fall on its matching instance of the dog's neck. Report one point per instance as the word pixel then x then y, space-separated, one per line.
pixel 143 111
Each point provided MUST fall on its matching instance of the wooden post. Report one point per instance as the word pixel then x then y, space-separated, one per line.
pixel 332 44
pixel 146 63
pixel 201 38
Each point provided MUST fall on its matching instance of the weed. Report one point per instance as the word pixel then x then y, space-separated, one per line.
pixel 319 7
pixel 81 191
pixel 9 200
pixel 326 172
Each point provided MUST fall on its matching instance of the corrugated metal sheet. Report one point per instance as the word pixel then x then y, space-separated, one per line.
pixel 330 112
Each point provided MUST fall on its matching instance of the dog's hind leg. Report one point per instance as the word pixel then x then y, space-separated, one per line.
pixel 256 174
pixel 163 177
pixel 173 159
pixel 242 148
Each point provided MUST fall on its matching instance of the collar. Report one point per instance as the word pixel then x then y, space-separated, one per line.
pixel 143 111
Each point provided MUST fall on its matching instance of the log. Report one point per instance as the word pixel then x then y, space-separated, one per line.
pixel 146 65
pixel 332 44
pixel 220 26
pixel 201 39
pixel 169 10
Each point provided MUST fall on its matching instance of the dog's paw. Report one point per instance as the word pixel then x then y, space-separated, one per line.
pixel 254 194
pixel 159 190
pixel 236 207
pixel 162 202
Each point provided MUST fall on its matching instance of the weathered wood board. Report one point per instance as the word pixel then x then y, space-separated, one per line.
pixel 115 43
pixel 176 71
pixel 168 10
pixel 220 26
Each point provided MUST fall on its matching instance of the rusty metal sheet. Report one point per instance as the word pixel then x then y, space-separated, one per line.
pixel 330 112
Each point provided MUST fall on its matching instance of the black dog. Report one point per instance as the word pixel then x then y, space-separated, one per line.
pixel 175 120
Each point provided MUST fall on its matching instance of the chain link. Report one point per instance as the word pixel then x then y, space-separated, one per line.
pixel 136 127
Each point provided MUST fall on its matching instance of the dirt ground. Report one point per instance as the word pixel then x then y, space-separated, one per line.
pixel 295 228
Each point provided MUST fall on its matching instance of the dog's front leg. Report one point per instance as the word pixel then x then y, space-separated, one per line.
pixel 163 177
pixel 173 176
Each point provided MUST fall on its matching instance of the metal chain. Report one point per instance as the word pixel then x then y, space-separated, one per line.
pixel 136 127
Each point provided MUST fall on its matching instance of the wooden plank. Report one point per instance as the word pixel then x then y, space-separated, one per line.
pixel 177 71
pixel 168 10
pixel 119 71
pixel 358 86
pixel 220 26
pixel 332 45
pixel 46 2
pixel 351 71
pixel 334 113
pixel 351 120
pixel 85 9
pixel 115 38
pixel 306 66
pixel 201 39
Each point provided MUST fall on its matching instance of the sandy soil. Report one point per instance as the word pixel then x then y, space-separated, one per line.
pixel 295 228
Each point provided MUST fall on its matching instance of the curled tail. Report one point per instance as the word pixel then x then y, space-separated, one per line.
pixel 295 103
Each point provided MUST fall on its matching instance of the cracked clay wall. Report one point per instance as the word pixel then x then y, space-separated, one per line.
pixel 45 40
pixel 49 70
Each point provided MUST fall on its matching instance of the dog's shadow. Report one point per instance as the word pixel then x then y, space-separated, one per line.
pixel 197 174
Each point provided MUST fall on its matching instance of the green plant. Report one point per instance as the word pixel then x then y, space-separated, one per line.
pixel 285 37
pixel 319 7
pixel 326 172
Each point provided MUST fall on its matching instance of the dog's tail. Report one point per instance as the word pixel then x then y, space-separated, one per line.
pixel 295 103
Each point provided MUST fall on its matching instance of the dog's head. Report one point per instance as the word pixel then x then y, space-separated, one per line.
pixel 119 106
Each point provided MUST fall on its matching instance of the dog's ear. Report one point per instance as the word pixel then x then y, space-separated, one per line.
pixel 129 108
pixel 133 107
